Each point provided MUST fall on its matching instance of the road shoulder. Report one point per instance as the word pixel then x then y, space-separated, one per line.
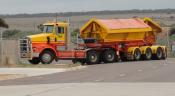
pixel 14 73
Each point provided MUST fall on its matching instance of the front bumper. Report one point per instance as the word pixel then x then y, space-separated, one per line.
pixel 25 49
pixel 35 54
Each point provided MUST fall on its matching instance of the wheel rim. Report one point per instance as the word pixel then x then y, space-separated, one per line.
pixel 110 57
pixel 148 54
pixel 137 54
pixel 93 57
pixel 46 58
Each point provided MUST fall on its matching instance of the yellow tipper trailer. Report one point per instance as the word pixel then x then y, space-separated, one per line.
pixel 112 30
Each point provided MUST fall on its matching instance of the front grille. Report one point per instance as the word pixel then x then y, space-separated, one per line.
pixel 25 49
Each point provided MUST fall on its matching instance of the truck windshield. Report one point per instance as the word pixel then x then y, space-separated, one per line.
pixel 48 28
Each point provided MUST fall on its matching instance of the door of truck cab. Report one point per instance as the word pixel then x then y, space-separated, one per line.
pixel 60 34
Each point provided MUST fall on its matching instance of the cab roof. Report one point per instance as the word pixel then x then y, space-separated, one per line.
pixel 58 23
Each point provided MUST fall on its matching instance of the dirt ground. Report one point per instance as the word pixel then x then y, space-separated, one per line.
pixel 11 76
pixel 28 70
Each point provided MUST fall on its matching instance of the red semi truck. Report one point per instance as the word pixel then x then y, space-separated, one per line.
pixel 103 40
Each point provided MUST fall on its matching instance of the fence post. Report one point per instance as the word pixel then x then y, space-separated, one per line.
pixel 1 36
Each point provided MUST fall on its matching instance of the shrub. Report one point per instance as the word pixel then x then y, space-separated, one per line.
pixel 10 33
pixel 75 32
pixel 172 31
pixel 3 23
pixel 40 27
pixel 15 34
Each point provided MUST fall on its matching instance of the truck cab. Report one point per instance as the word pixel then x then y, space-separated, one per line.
pixel 53 31
pixel 52 39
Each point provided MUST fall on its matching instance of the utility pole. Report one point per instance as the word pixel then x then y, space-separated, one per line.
pixel 34 26
pixel 169 47
pixel 68 34
pixel 168 41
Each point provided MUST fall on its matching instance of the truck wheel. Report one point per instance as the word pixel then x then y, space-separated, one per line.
pixel 109 56
pixel 159 54
pixel 137 54
pixel 148 54
pixel 35 61
pixel 93 57
pixel 46 57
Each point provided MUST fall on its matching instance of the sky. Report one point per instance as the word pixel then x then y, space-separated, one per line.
pixel 52 6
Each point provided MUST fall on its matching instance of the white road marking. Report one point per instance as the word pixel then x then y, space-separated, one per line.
pixel 122 75
pixel 98 80
pixel 140 70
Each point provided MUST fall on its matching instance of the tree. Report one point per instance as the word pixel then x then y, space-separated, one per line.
pixel 3 23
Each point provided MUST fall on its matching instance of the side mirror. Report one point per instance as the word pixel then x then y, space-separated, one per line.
pixel 48 40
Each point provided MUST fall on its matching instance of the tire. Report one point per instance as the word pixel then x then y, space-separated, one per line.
pixel 159 54
pixel 109 56
pixel 137 54
pixel 148 54
pixel 46 57
pixel 93 57
pixel 35 61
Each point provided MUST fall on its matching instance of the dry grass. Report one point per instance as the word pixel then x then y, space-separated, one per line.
pixel 29 24
pixel 47 65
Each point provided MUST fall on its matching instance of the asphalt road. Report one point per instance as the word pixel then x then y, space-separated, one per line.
pixel 141 71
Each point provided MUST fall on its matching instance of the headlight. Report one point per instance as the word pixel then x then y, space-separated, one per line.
pixel 34 49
